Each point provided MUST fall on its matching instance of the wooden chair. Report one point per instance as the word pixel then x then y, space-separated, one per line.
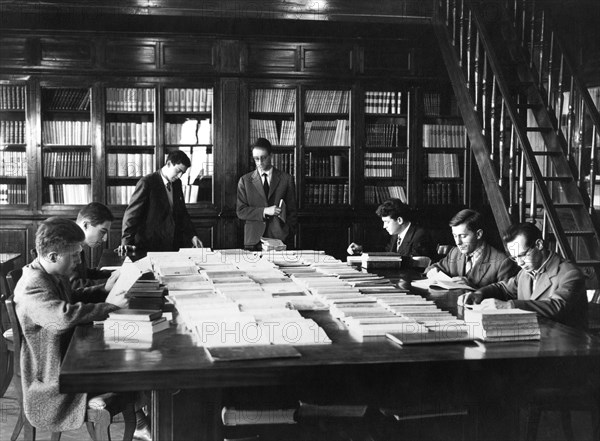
pixel 97 420
pixel 11 281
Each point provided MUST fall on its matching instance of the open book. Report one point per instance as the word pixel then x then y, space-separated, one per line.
pixel 442 282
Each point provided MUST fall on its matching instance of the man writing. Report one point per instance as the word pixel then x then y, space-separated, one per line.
pixel 406 237
pixel 266 199
pixel 546 284
pixel 473 260
pixel 156 218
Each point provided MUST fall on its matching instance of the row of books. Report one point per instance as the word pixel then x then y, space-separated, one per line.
pixel 12 132
pixel 327 133
pixel 130 133
pixel 443 165
pixel 386 135
pixel 66 133
pixel 444 136
pixel 129 327
pixel 376 194
pixel 323 166
pixel 431 103
pixel 273 100
pixel 386 164
pixel 67 164
pixel 327 101
pixel 285 162
pixel 502 324
pixel 267 128
pixel 442 193
pixel 13 164
pixel 129 164
pixel 13 194
pixel 130 99
pixel 383 102
pixel 191 132
pixel 72 194
pixel 119 194
pixel 12 97
pixel 189 100
pixel 327 194
pixel 66 99
pixel 202 163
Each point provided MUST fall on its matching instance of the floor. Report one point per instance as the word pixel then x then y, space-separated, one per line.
pixel 550 429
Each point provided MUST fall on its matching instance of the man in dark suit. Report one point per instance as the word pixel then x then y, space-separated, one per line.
pixel 473 260
pixel 156 218
pixel 266 199
pixel 406 237
pixel 546 284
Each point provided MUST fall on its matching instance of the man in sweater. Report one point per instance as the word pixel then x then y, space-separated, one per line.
pixel 266 199
pixel 473 260
pixel 48 311
pixel 546 284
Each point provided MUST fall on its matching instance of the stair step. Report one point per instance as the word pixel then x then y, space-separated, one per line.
pixel 547 153
pixel 539 129
pixel 553 178
pixel 568 205
pixel 579 233
pixel 527 106
pixel 588 262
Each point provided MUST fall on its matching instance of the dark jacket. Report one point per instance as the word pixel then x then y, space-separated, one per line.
pixel 416 242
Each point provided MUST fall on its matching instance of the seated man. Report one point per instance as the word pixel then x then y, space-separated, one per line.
pixel 546 284
pixel 48 311
pixel 473 260
pixel 407 238
pixel 95 220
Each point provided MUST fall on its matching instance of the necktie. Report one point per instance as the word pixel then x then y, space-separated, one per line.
pixel 468 264
pixel 266 185
pixel 398 243
pixel 169 186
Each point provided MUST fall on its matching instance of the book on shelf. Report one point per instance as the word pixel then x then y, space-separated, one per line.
pixel 376 194
pixel 444 136
pixel 12 97
pixel 232 416
pixel 13 194
pixel 273 100
pixel 71 194
pixel 13 164
pixel 130 99
pixel 327 101
pixel 431 103
pixel 12 132
pixel 387 102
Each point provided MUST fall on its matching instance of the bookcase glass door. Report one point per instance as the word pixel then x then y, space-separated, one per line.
pixel 129 139
pixel 273 116
pixel 326 147
pixel 188 126
pixel 444 142
pixel 13 144
pixel 66 145
pixel 386 146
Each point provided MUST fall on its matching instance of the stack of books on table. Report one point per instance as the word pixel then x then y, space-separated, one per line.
pixel 502 324
pixel 269 244
pixel 381 260
pixel 146 294
pixel 133 328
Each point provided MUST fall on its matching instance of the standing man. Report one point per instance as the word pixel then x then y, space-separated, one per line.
pixel 156 218
pixel 266 199
pixel 407 238
pixel 546 284
pixel 473 259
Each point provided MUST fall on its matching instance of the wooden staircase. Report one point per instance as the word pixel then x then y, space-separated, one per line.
pixel 523 105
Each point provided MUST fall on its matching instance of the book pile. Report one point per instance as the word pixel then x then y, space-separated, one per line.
pixel 269 244
pixel 381 260
pixel 146 294
pixel 133 328
pixel 502 324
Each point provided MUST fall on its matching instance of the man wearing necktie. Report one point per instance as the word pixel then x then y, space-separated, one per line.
pixel 546 284
pixel 266 199
pixel 473 260
pixel 156 218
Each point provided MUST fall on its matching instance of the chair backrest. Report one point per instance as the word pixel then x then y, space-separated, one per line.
pixel 17 334
pixel 12 278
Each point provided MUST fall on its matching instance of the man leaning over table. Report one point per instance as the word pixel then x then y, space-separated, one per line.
pixel 546 284
pixel 473 260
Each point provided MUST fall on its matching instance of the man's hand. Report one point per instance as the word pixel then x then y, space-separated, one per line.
pixel 497 304
pixel 111 280
pixel 273 210
pixel 118 299
pixel 470 298
pixel 354 248
pixel 196 242
pixel 122 250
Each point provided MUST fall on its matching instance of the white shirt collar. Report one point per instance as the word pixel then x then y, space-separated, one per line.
pixel 403 233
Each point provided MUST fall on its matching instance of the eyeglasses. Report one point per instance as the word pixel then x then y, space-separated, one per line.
pixel 260 158
pixel 522 255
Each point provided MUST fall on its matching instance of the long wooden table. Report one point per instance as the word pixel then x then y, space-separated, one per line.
pixel 188 390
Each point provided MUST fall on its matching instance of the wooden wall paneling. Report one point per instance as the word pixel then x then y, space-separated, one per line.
pixel 62 52
pixel 227 156
pixel 271 57
pixel 329 234
pixel 196 55
pixel 229 60
pixel 326 58
pixel 138 54
pixel 388 58
pixel 98 152
pixel 18 237
pixel 14 51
